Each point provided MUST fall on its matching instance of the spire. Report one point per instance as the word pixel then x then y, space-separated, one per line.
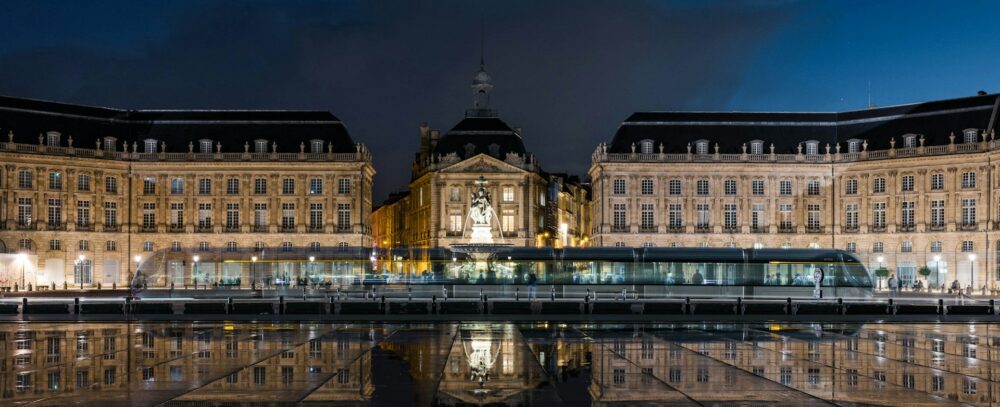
pixel 482 84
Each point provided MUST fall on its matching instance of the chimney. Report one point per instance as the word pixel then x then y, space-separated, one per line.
pixel 424 141
pixel 435 136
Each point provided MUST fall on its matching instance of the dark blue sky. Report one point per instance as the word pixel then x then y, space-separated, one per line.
pixel 566 72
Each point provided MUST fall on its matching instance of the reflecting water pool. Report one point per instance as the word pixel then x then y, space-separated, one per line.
pixel 145 364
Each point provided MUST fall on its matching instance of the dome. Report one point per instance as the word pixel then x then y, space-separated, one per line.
pixel 482 78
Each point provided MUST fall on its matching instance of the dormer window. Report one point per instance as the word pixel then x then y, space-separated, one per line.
pixel 52 138
pixel 701 147
pixel 316 146
pixel 909 140
pixel 646 146
pixel 853 145
pixel 812 147
pixel 469 149
pixel 970 135
pixel 494 149
pixel 756 147
pixel 205 146
pixel 149 146
pixel 260 146
pixel 110 144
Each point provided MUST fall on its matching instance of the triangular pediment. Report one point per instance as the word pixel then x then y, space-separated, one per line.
pixel 482 163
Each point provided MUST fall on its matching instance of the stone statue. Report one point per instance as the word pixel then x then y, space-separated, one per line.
pixel 480 209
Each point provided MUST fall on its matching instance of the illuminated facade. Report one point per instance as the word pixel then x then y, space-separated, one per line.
pixel 101 187
pixel 905 187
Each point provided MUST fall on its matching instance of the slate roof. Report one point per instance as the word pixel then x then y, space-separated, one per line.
pixel 480 129
pixel 28 117
pixel 934 119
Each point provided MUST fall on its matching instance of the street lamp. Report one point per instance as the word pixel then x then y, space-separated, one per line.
pixel 972 272
pixel 195 259
pixel 312 272
pixel 880 259
pixel 253 272
pixel 937 269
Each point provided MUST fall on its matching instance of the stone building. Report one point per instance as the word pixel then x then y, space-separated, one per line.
pixel 434 210
pixel 84 191
pixel 905 187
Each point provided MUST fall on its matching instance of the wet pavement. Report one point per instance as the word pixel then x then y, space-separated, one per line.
pixel 491 363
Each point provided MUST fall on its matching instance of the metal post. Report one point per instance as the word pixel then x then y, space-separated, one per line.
pixel 517 293
pixel 444 293
pixel 552 293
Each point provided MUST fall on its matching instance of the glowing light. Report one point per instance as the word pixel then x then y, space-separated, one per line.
pixel 196 258
pixel 253 258
pixel 937 258
pixel 312 258
pixel 138 258
pixel 972 257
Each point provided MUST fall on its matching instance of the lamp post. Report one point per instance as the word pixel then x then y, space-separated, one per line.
pixel 937 269
pixel 253 272
pixel 880 259
pixel 311 272
pixel 195 259
pixel 972 271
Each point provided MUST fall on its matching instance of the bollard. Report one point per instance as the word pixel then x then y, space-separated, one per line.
pixel 24 305
pixel 788 305
pixel 15 287
pixel 281 304
pixel 374 293
pixel 29 286
pixel 624 293
pixel 687 305
pixel 552 293
pixel 444 293
pixel 940 306
pixel 739 305
pixel 76 305
pixel 52 286
pixel 229 304
pixel 892 309
pixel 517 293
pixel 481 294
pixel 992 310
pixel 114 286
pixel 409 293
pixel 338 294
pixel 588 292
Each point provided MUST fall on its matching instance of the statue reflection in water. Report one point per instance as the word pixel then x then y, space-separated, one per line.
pixel 481 352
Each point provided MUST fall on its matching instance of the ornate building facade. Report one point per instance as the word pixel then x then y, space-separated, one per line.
pixel 100 188
pixel 434 210
pixel 905 187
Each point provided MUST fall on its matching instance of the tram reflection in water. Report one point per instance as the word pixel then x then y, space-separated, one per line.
pixel 649 272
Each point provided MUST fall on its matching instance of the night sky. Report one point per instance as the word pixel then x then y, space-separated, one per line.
pixel 567 72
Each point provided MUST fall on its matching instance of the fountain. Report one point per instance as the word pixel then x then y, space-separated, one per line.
pixel 481 245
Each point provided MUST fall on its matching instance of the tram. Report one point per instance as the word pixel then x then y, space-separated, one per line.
pixel 649 272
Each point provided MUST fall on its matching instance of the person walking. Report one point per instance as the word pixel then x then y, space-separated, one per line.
pixel 532 285
pixel 893 285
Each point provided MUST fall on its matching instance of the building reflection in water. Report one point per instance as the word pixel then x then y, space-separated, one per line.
pixel 498 364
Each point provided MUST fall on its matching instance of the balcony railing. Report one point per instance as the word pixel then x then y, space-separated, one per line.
pixel 967 227
pixel 175 227
pixel 619 229
pixel 55 226
pixel 231 228
pixel 850 229
pixel 786 228
pixel 204 228
pixel 647 229
pixel 935 227
pixel 675 229
pixel 814 229
pixel 147 228
pixel 259 228
pixel 907 228
pixel 731 229
pixel 878 228
pixel 288 228
pixel 315 229
pixel 85 227
pixel 361 153
pixel 24 226
pixel 343 228
pixel 702 228
pixel 758 229
pixel 113 227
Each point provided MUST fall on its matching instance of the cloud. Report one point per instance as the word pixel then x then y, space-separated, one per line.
pixel 567 73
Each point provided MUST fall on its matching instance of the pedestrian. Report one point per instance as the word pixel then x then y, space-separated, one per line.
pixel 532 285
pixel 893 285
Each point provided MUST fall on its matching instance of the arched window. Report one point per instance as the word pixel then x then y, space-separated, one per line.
pixel 149 145
pixel 970 135
pixel 756 147
pixel 701 147
pixel 205 146
pixel 316 146
pixel 812 147
pixel 646 146
pixel 110 144
pixel 909 140
pixel 260 146
pixel 52 138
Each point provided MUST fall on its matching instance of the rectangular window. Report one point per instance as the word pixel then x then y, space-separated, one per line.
pixel 24 179
pixel 259 375
pixel 851 216
pixel 110 214
pixel 674 187
pixel 233 186
pixel 785 187
pixel 618 216
pixel 674 216
pixel 878 215
pixel 455 222
pixel 232 216
pixel 878 247
pixel 83 182
pixel 55 181
pixel 646 187
pixel 343 216
pixel 906 183
pixel 204 215
pixel 148 215
pixel 812 188
pixel 24 211
pixel 344 186
pixel 729 187
pixel 757 187
pixel 507 221
pixel 508 194
pixel 176 186
pixel 111 185
pixel 618 187
pixel 456 194
pixel 55 212
pixel 813 217
pixel 288 186
pixel 148 186
pixel 55 245
pixel 852 247
pixel 176 215
pixel 315 186
pixel 968 246
pixel 937 181
pixel 260 186
pixel 907 218
pixel 83 213
pixel 878 185
pixel 701 187
pixel 785 217
pixel 315 216
pixel 646 217
pixel 968 212
pixel 729 216
pixel 205 186
pixel 968 180
pixel 109 376
pixel 757 217
pixel 851 187
pixel 287 215
pixel 259 215
pixel 937 213
pixel 703 218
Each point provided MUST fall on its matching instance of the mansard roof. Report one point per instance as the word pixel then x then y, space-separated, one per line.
pixel 232 128
pixel 935 120
pixel 476 133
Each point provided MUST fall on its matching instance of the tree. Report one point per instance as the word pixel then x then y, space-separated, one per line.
pixel 924 271
pixel 881 273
